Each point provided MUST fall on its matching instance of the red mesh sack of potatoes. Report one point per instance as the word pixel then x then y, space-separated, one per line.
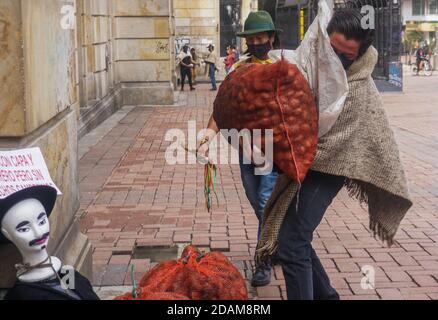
pixel 272 96
pixel 197 276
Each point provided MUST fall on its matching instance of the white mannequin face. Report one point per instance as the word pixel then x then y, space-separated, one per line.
pixel 27 226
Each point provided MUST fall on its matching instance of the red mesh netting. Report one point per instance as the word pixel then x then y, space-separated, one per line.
pixel 194 276
pixel 272 96
pixel 198 276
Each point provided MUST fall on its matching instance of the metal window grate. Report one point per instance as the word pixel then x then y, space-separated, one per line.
pixel 418 7
pixel 388 21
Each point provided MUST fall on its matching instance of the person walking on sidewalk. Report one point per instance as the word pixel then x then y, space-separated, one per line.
pixel 229 59
pixel 261 36
pixel 195 62
pixel 186 64
pixel 236 53
pixel 359 152
pixel 421 55
pixel 211 61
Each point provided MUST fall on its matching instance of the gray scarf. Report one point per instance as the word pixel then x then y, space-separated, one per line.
pixel 361 147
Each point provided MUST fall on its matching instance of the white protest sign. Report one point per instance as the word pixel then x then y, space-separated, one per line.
pixel 21 169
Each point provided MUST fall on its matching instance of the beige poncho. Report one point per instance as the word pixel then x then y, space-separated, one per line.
pixel 361 147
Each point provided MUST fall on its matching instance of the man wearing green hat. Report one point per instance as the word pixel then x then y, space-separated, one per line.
pixel 260 34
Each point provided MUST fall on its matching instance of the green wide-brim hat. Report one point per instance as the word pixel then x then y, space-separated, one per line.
pixel 258 21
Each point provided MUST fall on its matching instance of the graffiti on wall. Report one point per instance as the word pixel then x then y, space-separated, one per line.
pixel 180 43
pixel 162 47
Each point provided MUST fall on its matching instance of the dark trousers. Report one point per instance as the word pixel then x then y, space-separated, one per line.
pixel 186 72
pixel 304 274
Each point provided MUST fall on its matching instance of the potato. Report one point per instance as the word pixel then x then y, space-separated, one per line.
pixel 274 96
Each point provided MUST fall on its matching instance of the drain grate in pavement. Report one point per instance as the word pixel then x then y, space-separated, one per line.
pixel 162 253
pixel 122 252
pixel 156 253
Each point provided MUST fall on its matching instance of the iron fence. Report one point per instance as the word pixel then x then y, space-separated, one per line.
pixel 295 17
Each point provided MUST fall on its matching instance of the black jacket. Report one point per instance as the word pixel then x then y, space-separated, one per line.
pixel 40 291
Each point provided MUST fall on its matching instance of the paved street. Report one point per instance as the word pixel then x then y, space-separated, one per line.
pixel 131 198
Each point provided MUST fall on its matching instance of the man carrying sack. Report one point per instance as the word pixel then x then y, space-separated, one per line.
pixel 260 34
pixel 359 152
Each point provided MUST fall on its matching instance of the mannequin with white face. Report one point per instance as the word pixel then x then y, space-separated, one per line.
pixel 26 225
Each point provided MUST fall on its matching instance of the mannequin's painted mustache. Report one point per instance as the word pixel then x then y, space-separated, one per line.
pixel 40 240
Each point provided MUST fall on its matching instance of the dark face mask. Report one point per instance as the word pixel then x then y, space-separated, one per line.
pixel 260 50
pixel 346 63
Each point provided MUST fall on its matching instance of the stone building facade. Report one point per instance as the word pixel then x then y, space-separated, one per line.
pixel 39 106
pixel 66 65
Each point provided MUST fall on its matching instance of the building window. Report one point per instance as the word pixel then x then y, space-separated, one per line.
pixel 433 6
pixel 418 7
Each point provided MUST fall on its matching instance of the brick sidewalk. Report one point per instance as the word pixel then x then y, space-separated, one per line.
pixel 131 197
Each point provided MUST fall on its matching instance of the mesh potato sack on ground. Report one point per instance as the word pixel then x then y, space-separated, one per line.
pixel 195 276
pixel 272 96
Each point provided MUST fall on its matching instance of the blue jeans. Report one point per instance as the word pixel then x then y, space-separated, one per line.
pixel 304 274
pixel 212 74
pixel 258 188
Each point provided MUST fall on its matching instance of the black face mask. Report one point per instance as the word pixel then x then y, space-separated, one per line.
pixel 260 50
pixel 346 63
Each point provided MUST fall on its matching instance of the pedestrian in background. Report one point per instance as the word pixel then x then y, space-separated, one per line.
pixel 211 62
pixel 421 54
pixel 236 53
pixel 196 62
pixel 229 59
pixel 186 64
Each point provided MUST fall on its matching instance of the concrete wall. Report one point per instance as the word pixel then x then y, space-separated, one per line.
pixel 100 93
pixel 143 50
pixel 198 22
pixel 12 116
pixel 96 46
pixel 125 56
pixel 38 107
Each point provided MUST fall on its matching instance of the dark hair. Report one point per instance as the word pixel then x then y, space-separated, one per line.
pixel 348 23
pixel 276 44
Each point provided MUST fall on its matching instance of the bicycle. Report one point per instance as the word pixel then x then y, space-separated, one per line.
pixel 427 68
